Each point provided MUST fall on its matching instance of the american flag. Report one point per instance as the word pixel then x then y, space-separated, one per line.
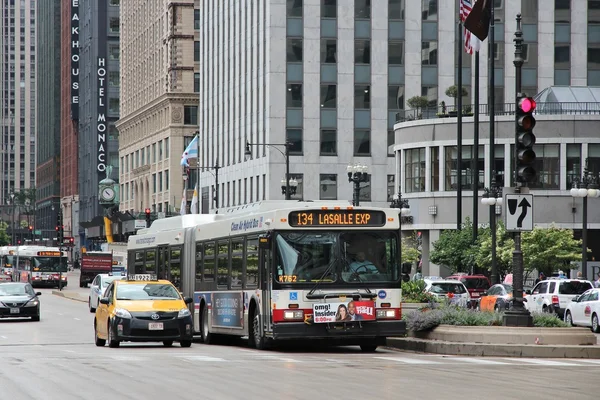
pixel 465 9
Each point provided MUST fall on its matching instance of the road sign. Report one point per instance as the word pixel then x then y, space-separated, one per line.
pixel 519 212
pixel 38 232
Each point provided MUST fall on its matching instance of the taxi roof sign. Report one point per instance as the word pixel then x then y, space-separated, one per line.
pixel 142 277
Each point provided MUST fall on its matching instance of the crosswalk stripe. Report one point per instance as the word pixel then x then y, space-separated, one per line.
pixel 544 362
pixel 595 362
pixel 278 358
pixel 481 361
pixel 202 358
pixel 407 360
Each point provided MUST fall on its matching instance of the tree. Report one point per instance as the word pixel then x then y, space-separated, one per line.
pixel 417 102
pixel 504 248
pixel 455 249
pixel 452 91
pixel 548 250
pixel 4 239
pixel 410 253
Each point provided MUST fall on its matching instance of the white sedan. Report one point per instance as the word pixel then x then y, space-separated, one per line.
pixel 455 291
pixel 98 286
pixel 584 310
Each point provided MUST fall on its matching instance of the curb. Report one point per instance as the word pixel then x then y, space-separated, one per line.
pixel 493 350
pixel 69 296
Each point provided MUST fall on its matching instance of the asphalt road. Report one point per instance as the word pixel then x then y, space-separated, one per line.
pixel 57 359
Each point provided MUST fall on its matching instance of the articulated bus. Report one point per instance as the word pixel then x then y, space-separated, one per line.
pixel 39 265
pixel 280 271
pixel 6 266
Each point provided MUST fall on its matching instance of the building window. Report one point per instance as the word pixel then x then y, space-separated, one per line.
pixel 362 51
pixel 113 26
pixel 300 188
pixel 396 9
pixel 113 105
pixel 113 51
pixel 196 19
pixel 294 8
pixel 114 78
pixel 294 136
pixel 362 143
pixel 451 159
pixel 429 10
pixel 562 4
pixel 562 53
pixel 115 2
pixel 390 142
pixel 365 189
pixel 328 142
pixel 396 52
pixel 414 170
pixel 362 97
pixel 196 82
pixel 294 95
pixel 573 163
pixel 362 9
pixel 294 50
pixel 196 51
pixel 395 97
pixel 431 92
pixel 499 163
pixel 190 115
pixel 429 53
pixel 328 96
pixel 328 51
pixel 435 169
pixel 547 166
pixel 391 187
pixel 328 187
pixel 328 8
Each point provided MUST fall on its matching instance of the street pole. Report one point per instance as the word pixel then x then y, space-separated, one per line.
pixel 459 129
pixel 288 193
pixel 216 198
pixel 517 315
pixel 492 153
pixel 584 239
pixel 475 155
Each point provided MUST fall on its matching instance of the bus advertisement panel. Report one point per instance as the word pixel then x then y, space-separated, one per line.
pixel 283 271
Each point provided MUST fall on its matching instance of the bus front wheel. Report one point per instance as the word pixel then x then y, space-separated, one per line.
pixel 257 339
pixel 204 331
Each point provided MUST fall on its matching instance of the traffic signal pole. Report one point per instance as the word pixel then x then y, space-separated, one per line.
pixel 518 315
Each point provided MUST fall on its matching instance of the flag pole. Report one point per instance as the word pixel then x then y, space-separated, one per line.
pixel 492 153
pixel 459 45
pixel 475 154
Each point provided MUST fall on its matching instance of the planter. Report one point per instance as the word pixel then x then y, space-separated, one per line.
pixel 453 114
pixel 407 307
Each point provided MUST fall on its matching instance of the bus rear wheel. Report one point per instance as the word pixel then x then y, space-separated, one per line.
pixel 205 334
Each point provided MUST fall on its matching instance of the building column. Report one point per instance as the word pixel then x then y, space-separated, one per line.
pixel 412 49
pixel 545 45
pixel 579 32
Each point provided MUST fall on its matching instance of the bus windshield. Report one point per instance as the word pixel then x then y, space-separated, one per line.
pixel 327 257
pixel 50 264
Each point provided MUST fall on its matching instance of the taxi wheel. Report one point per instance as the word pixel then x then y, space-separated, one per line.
pixel 111 337
pixel 99 342
pixel 168 343
pixel 185 343
pixel 92 309
pixel 595 326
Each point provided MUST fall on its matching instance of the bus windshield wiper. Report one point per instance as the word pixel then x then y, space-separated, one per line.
pixel 356 274
pixel 325 273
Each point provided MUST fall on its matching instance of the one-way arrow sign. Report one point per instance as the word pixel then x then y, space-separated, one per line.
pixel 519 212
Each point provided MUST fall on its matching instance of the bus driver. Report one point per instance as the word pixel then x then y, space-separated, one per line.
pixel 362 265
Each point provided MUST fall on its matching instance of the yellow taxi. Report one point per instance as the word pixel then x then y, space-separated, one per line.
pixel 143 308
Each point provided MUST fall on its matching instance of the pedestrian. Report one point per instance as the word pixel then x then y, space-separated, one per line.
pixel 541 278
pixel 597 283
pixel 579 275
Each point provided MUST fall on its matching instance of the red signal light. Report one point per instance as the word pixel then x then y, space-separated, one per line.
pixel 147 211
pixel 527 104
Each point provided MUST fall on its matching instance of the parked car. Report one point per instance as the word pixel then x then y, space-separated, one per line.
pixel 497 298
pixel 475 284
pixel 453 290
pixel 554 295
pixel 584 310
pixel 98 288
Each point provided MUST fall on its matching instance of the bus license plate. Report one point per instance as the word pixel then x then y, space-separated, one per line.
pixel 155 326
pixel 15 310
pixel 45 277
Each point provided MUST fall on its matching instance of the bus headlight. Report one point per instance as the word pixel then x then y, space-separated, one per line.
pixel 123 313
pixel 184 312
pixel 386 313
pixel 293 315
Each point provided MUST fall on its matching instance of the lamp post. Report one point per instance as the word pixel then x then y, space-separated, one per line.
pixel 248 154
pixel 492 196
pixel 402 204
pixel 584 187
pixel 12 218
pixel 293 186
pixel 357 174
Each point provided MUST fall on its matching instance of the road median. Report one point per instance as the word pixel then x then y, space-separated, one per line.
pixel 69 295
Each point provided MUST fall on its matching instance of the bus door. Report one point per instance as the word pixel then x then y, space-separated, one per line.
pixel 162 262
pixel 266 284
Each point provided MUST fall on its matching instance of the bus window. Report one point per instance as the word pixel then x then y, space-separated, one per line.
pixel 209 262
pixel 198 265
pixel 175 264
pixel 150 262
pixel 223 263
pixel 139 262
pixel 252 263
pixel 237 262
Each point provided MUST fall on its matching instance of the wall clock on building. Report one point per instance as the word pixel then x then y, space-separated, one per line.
pixel 108 194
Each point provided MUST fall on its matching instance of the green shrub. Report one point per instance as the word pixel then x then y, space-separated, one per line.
pixel 414 292
pixel 545 320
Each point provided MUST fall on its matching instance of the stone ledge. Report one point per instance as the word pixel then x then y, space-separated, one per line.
pixel 506 335
pixel 493 350
pixel 70 296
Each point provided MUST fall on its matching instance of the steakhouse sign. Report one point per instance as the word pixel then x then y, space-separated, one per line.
pixel 101 121
pixel 74 59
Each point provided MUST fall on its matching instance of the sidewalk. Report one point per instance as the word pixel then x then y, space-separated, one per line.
pixel 73 291
pixel 70 295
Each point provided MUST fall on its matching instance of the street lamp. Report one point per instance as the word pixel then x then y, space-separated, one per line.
pixel 492 196
pixel 287 191
pixel 357 174
pixel 12 218
pixel 584 187
pixel 293 186
pixel 402 204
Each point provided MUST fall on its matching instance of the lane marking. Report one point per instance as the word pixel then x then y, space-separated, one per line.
pixel 277 358
pixel 547 363
pixel 481 361
pixel 594 362
pixel 202 358
pixel 3 337
pixel 407 360
pixel 76 319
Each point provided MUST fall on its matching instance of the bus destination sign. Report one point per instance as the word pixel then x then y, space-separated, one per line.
pixel 49 253
pixel 336 218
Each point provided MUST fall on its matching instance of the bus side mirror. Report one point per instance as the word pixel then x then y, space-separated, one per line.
pixel 406 268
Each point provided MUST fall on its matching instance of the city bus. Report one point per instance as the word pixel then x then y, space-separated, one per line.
pixel 278 271
pixel 40 265
pixel 6 266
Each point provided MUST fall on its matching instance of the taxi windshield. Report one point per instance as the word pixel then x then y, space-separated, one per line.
pixel 147 291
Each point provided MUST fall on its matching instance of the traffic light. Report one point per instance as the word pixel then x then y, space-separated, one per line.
pixel 147 211
pixel 525 139
pixel 30 228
